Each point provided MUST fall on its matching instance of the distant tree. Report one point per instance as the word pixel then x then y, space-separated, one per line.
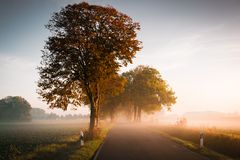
pixel 53 116
pixel 88 44
pixel 147 91
pixel 38 113
pixel 181 122
pixel 14 109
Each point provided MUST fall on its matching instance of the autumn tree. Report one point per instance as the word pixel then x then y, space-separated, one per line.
pixel 112 95
pixel 147 91
pixel 88 44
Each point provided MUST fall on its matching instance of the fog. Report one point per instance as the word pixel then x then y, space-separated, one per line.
pixel 196 119
pixel 207 119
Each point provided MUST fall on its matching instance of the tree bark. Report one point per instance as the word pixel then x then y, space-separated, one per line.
pixel 92 111
pixel 97 115
pixel 97 103
pixel 92 118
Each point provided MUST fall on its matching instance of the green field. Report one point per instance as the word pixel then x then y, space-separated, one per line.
pixel 223 141
pixel 40 140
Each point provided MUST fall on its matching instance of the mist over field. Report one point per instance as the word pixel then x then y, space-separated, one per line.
pixel 199 119
pixel 119 80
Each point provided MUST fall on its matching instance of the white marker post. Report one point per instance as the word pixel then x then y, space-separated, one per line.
pixel 81 138
pixel 201 139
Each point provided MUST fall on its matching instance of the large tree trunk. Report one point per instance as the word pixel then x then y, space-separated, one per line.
pixel 93 111
pixel 94 108
pixel 97 104
pixel 92 118
pixel 97 115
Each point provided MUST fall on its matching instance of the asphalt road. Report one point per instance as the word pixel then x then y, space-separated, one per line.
pixel 134 142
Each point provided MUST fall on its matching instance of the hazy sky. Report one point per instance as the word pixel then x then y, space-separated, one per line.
pixel 194 43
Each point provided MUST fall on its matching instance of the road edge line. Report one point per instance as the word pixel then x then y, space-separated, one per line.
pixel 98 151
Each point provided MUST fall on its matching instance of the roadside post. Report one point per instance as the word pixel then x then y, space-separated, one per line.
pixel 201 139
pixel 81 138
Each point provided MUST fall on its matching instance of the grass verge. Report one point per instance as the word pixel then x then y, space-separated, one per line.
pixel 194 147
pixel 88 151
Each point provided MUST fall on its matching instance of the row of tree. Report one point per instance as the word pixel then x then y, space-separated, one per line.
pixel 82 57
pixel 138 90
pixel 40 114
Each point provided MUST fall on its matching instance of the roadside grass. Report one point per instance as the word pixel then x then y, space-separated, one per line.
pixel 194 147
pixel 189 137
pixel 87 151
pixel 90 148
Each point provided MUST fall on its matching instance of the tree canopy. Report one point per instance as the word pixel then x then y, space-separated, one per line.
pixel 14 109
pixel 145 90
pixel 89 43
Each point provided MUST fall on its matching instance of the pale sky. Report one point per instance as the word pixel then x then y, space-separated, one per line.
pixel 194 43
